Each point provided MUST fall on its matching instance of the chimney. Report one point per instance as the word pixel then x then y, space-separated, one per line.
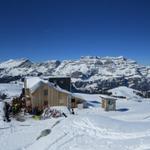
pixel 25 83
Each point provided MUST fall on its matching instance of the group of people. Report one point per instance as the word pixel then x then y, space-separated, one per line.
pixel 18 105
pixel 13 109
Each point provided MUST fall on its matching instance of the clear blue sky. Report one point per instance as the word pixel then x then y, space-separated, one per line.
pixel 67 29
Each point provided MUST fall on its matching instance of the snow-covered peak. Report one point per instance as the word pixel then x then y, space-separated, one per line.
pixel 14 63
pixel 89 57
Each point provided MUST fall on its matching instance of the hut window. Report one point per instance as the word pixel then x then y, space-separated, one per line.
pixel 45 92
pixel 110 102
pixel 73 100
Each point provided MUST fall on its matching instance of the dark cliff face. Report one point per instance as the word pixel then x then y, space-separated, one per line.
pixel 89 74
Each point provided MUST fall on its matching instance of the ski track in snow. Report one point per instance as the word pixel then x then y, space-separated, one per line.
pixel 88 127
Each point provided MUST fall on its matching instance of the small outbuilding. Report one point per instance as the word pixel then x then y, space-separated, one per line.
pixel 108 103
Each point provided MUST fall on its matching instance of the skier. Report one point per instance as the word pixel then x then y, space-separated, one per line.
pixel 6 112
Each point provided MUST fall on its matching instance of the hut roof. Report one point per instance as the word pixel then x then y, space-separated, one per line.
pixel 78 96
pixel 108 97
pixel 33 83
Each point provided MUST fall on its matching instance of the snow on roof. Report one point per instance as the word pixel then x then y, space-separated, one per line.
pixel 36 86
pixel 78 96
pixel 33 83
pixel 58 88
pixel 108 97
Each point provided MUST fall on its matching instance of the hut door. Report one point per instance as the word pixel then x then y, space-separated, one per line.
pixel 110 105
pixel 73 103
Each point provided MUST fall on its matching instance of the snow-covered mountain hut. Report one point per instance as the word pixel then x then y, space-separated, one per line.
pixel 41 93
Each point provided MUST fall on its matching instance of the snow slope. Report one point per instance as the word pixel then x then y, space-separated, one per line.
pixel 11 90
pixel 123 91
pixel 94 129
pixel 126 128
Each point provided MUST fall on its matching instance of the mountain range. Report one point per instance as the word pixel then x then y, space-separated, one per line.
pixel 91 74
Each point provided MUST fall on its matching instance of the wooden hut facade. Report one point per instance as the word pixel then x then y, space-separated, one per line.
pixel 43 93
pixel 108 103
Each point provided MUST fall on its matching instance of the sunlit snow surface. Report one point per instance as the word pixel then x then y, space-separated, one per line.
pixel 11 90
pixel 128 128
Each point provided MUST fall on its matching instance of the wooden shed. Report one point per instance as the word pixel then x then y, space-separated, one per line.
pixel 108 103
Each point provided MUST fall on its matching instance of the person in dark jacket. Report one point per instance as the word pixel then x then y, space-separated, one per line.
pixel 73 113
pixel 6 112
